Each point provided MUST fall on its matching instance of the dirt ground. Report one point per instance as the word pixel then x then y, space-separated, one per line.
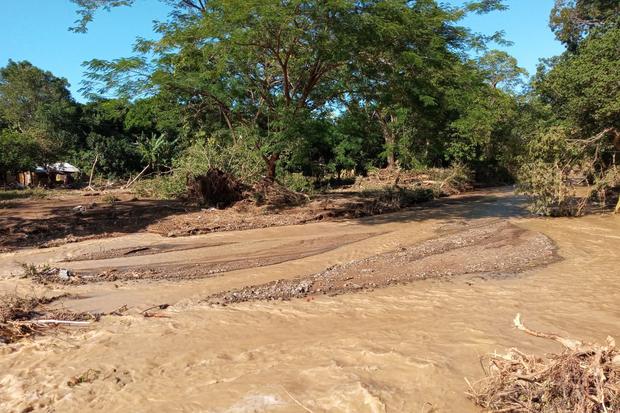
pixel 71 216
pixel 370 314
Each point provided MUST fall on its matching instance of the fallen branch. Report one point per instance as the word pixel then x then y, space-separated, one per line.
pixel 583 378
pixel 136 178
pixel 76 323
pixel 296 401
pixel 574 345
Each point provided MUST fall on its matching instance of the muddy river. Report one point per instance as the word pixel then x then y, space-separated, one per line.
pixel 402 348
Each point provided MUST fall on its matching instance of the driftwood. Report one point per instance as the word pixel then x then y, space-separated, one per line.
pixel 582 378
pixel 571 344
pixel 68 322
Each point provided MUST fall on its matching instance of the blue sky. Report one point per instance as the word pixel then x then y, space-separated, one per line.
pixel 36 30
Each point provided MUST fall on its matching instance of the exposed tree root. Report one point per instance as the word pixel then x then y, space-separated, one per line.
pixel 584 378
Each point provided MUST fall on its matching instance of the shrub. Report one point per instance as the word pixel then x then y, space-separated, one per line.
pixel 237 159
pixel 548 188
pixel 297 182
pixel 161 187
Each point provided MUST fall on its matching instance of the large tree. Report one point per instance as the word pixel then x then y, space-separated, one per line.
pixel 38 105
pixel 581 89
pixel 267 69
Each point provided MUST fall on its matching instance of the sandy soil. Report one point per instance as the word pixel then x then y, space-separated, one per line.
pixel 404 347
pixel 73 216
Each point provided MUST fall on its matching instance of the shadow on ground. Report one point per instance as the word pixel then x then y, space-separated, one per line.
pixel 47 222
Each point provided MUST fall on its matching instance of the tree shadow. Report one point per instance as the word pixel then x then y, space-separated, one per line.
pixel 42 223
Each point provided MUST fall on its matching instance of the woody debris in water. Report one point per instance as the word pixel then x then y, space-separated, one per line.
pixel 582 378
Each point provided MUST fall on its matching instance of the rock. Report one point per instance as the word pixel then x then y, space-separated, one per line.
pixel 64 274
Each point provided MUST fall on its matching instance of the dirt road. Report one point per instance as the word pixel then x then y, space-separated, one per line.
pixel 402 348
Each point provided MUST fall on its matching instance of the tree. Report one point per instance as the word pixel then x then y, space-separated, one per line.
pixel 17 153
pixel 573 20
pixel 38 105
pixel 501 70
pixel 268 67
pixel 584 87
pixel 582 90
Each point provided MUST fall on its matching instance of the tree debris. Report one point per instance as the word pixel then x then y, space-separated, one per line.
pixel 23 317
pixel 582 378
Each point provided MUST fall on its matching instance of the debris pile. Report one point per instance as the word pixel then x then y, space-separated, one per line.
pixel 46 275
pixel 274 195
pixel 583 378
pixel 23 317
pixel 216 188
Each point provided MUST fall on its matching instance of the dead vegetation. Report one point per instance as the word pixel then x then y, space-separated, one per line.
pixel 24 317
pixel 273 195
pixel 215 188
pixel 45 274
pixel 438 181
pixel 583 378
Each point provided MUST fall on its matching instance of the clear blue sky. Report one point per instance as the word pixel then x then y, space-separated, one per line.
pixel 36 30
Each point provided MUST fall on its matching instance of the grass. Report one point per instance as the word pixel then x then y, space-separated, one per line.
pixel 35 193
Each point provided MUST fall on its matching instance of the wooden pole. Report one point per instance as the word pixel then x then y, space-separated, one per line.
pixel 92 171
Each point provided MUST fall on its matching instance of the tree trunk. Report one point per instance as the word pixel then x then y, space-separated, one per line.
pixel 390 143
pixel 272 162
pixel 389 137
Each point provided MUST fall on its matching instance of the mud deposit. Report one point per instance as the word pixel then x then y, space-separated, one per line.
pixel 497 249
pixel 406 347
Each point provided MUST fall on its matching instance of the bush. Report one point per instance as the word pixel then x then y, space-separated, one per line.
pixel 297 182
pixel 557 162
pixel 161 187
pixel 239 160
pixel 453 180
pixel 548 188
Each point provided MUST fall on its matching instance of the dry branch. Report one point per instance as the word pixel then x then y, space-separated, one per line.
pixel 582 378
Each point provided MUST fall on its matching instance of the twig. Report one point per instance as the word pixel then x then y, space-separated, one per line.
pixel 160 306
pixel 136 178
pixel 575 345
pixel 77 323
pixel 296 401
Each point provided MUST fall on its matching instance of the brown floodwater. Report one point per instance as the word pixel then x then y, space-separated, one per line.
pixel 404 348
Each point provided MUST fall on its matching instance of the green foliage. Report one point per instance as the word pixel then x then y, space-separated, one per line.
pixel 572 20
pixel 297 182
pixel 161 187
pixel 583 87
pixel 18 152
pixel 239 160
pixel 280 68
pixel 501 70
pixel 37 104
pixel 155 150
